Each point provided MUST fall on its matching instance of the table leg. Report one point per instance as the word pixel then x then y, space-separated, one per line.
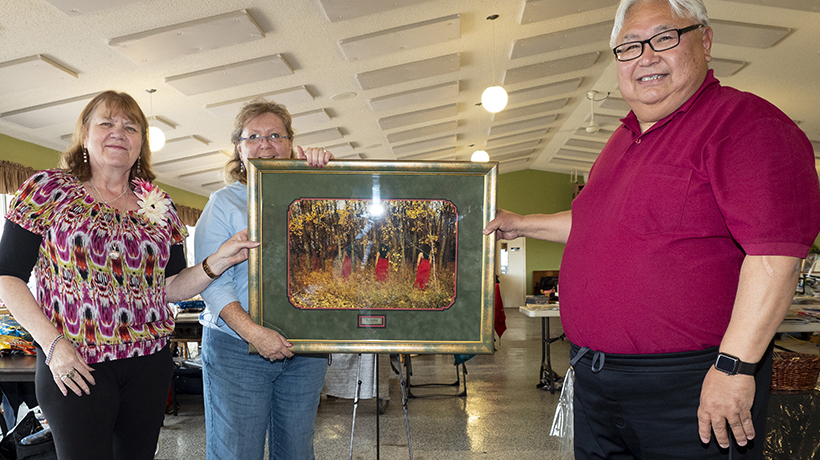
pixel 547 379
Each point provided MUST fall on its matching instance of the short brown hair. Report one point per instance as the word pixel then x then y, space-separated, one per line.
pixel 234 169
pixel 116 103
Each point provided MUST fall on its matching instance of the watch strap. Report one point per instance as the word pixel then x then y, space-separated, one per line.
pixel 732 365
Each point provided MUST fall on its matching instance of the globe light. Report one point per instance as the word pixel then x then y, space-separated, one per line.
pixel 494 99
pixel 156 138
pixel 480 156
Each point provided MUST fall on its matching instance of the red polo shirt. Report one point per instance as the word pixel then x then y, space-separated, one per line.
pixel 661 229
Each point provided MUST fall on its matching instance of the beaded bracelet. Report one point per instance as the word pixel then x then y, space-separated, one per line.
pixel 51 348
pixel 207 269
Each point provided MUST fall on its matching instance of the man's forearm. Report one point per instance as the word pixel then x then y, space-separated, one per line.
pixel 764 294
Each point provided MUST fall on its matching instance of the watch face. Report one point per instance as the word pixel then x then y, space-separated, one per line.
pixel 725 364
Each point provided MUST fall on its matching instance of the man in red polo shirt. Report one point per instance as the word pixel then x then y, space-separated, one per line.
pixel 702 202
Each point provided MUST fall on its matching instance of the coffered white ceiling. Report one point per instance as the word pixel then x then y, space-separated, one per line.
pixel 370 79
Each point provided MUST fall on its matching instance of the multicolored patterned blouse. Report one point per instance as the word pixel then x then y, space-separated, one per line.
pixel 100 273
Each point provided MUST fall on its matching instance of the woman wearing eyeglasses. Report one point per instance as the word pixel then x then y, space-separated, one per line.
pixel 273 393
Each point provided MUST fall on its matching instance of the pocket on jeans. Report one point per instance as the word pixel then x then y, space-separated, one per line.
pixel 655 199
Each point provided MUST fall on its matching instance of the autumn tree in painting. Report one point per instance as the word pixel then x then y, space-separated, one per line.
pixel 336 248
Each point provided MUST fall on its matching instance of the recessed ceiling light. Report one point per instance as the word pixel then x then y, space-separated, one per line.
pixel 343 96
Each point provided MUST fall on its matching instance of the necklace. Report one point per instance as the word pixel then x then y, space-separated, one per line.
pixel 108 203
pixel 114 253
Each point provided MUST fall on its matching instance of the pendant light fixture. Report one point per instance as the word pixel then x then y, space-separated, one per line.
pixel 480 156
pixel 494 98
pixel 156 138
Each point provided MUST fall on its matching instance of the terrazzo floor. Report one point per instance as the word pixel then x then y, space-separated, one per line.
pixel 503 416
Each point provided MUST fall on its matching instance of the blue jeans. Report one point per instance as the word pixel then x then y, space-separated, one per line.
pixel 247 397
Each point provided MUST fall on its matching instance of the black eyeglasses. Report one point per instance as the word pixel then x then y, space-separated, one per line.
pixel 256 138
pixel 663 41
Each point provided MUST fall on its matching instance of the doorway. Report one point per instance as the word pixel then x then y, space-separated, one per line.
pixel 511 269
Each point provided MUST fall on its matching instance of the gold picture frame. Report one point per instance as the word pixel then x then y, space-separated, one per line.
pixel 373 256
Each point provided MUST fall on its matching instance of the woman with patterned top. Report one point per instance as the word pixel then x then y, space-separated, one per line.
pixel 107 250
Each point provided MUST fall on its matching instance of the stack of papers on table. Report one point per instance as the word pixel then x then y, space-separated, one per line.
pixel 543 306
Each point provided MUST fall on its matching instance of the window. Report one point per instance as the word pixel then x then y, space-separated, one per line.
pixel 189 246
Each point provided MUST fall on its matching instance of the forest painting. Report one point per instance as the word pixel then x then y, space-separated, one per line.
pixel 373 256
pixel 382 255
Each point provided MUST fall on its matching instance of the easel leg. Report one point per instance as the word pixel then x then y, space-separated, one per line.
pixel 356 401
pixel 404 406
pixel 378 408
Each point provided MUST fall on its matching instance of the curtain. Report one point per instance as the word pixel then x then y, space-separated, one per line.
pixel 12 176
pixel 188 215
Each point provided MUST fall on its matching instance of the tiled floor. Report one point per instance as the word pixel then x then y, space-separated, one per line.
pixel 503 416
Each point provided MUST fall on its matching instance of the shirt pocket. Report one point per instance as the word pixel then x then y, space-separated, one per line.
pixel 655 199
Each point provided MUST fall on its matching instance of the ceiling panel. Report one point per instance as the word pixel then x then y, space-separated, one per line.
pixel 547 91
pixel 585 144
pixel 181 147
pixel 529 145
pixel 78 7
pixel 550 68
pixel 188 38
pixel 577 164
pixel 512 156
pixel 615 103
pixel 341 10
pixel 226 76
pixel 524 125
pixel 513 138
pixel 445 154
pixel 435 93
pixel 555 41
pixel 420 116
pixel 726 67
pixel 578 154
pixel 341 150
pixel 602 135
pixel 530 110
pixel 408 72
pixel 747 35
pixel 32 72
pixel 424 131
pixel 307 120
pixel 162 123
pixel 420 34
pixel 193 163
pixel 50 114
pixel 430 144
pixel 801 5
pixel 288 97
pixel 542 10
pixel 318 137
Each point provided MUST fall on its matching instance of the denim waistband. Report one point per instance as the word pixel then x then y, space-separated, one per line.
pixel 597 360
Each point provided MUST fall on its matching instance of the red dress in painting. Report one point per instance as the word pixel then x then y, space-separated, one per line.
pixel 422 274
pixel 382 266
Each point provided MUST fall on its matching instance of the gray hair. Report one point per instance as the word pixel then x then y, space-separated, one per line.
pixel 694 9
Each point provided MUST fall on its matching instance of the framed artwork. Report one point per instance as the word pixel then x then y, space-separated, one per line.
pixel 373 256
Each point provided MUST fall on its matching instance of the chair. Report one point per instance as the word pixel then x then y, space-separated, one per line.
pixel 461 376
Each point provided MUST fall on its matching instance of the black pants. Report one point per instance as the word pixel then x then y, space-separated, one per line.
pixel 630 407
pixel 122 416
